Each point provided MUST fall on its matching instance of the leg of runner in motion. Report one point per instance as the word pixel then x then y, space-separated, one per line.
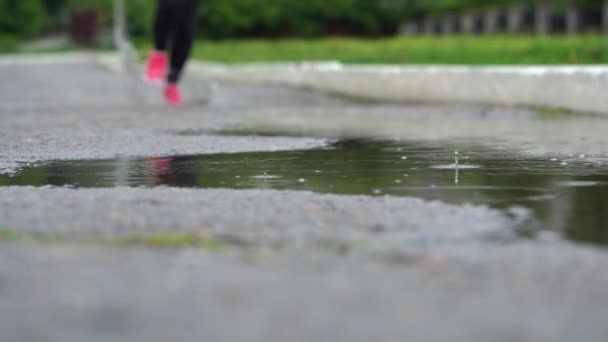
pixel 182 39
pixel 164 25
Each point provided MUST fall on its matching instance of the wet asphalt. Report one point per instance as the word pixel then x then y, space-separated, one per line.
pixel 298 265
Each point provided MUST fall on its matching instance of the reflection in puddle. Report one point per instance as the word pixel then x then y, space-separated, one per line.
pixel 456 166
pixel 265 177
pixel 568 198
pixel 579 183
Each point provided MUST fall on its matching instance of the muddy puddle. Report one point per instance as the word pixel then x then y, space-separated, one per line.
pixel 566 194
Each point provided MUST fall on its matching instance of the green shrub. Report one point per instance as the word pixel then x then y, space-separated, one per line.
pixel 21 17
pixel 222 19
pixel 258 18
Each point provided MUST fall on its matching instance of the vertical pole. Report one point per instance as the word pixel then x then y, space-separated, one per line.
pixel 429 26
pixel 408 29
pixel 515 19
pixel 403 29
pixel 447 25
pixel 467 23
pixel 119 23
pixel 542 18
pixel 572 19
pixel 127 51
pixel 490 21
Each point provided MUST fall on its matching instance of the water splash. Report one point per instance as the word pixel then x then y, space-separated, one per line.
pixel 456 169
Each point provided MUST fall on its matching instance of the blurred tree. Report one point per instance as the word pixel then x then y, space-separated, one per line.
pixel 310 18
pixel 24 18
pixel 272 18
pixel 54 7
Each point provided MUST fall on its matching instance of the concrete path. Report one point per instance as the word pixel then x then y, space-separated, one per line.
pixel 292 265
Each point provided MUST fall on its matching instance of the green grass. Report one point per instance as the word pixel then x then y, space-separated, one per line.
pixel 583 49
pixel 8 43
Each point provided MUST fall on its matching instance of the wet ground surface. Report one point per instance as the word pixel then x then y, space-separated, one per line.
pixel 63 293
pixel 565 194
pixel 311 255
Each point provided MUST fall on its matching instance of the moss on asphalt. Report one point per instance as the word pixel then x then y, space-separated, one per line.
pixel 167 240
pixel 171 240
pixel 552 114
pixel 155 240
pixel 12 235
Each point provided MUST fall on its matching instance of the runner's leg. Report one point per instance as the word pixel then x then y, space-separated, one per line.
pixel 164 24
pixel 183 37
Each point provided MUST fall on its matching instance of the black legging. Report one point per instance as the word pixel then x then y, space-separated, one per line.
pixel 175 23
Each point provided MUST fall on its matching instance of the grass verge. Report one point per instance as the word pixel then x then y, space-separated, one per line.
pixel 582 49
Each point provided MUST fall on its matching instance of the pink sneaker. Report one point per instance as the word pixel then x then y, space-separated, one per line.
pixel 156 68
pixel 160 166
pixel 173 95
